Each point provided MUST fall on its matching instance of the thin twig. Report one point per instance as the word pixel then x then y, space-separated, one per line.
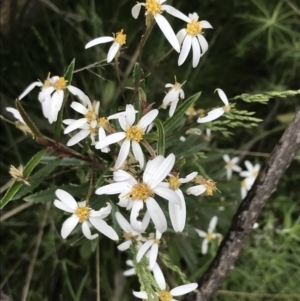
pixel 34 255
pixel 248 212
pixel 14 211
pixel 98 271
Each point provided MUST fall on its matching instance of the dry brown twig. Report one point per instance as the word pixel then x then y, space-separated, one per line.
pixel 248 212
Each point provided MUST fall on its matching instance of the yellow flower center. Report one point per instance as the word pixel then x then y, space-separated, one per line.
pixel 210 187
pixel 244 183
pixel 165 296
pixel 103 121
pixel 60 84
pixel 174 183
pixel 83 213
pixel 140 191
pixel 201 113
pixel 229 164
pixel 194 28
pixel 90 116
pixel 157 241
pixel 120 38
pixel 255 174
pixel 127 236
pixel 226 108
pixel 153 7
pixel 209 236
pixel 190 111
pixel 134 133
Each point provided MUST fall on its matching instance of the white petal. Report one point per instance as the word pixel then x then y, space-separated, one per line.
pixel 111 139
pixel 147 119
pixel 98 41
pixel 196 190
pixel 77 92
pixel 121 176
pixel 138 153
pixel 196 52
pixel 144 248
pixel 245 173
pixel 212 115
pixel 204 246
pixel 68 121
pixel 123 154
pixel 173 107
pixel 226 158
pixel 168 194
pixel 75 125
pixel 159 277
pixel 146 221
pixel 69 225
pixel 177 213
pixel 236 168
pixel 104 228
pixel 200 233
pixel 188 178
pixel 167 31
pixel 249 165
pixel 170 96
pixel 153 255
pixel 183 289
pixel 141 295
pixel 66 198
pixel 186 47
pixel 45 93
pixel 156 215
pixel 57 100
pixel 103 212
pixel 175 12
pixel 129 272
pixel 114 48
pixel 62 206
pixel 212 224
pixel 205 24
pixel 78 137
pixel 29 88
pixel 228 173
pixel 135 211
pixel 87 232
pixel 234 160
pixel 16 114
pixel 113 188
pixel 129 115
pixel 181 35
pixel 124 246
pixel 124 224
pixel 135 11
pixel 102 135
pixel 78 107
pixel 151 168
pixel 162 171
pixel 203 43
pixel 223 96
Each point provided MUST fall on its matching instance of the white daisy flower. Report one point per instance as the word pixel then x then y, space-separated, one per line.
pixel 16 114
pixel 130 235
pixel 178 213
pixel 205 185
pixel 133 193
pixel 83 215
pixel 209 235
pixel 191 36
pixel 131 136
pixel 89 125
pixel 154 10
pixel 252 171
pixel 231 165
pixel 164 294
pixel 216 113
pixel 118 40
pixel 152 243
pixel 172 97
pixel 245 187
pixel 52 95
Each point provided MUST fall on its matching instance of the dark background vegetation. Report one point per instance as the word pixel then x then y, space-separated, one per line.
pixel 253 48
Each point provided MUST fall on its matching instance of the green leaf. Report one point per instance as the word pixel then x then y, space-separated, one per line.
pixel 151 137
pixel 36 132
pixel 161 137
pixel 172 122
pixel 66 161
pixel 37 178
pixel 17 185
pixel 48 195
pixel 179 163
pixel 68 77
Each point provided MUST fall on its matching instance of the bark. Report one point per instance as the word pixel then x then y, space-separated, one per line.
pixel 248 212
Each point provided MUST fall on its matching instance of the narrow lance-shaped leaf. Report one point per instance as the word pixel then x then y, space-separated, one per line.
pixel 28 120
pixel 171 123
pixel 68 77
pixel 13 189
pixel 161 137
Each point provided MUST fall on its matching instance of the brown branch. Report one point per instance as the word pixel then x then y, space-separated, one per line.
pixel 248 212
